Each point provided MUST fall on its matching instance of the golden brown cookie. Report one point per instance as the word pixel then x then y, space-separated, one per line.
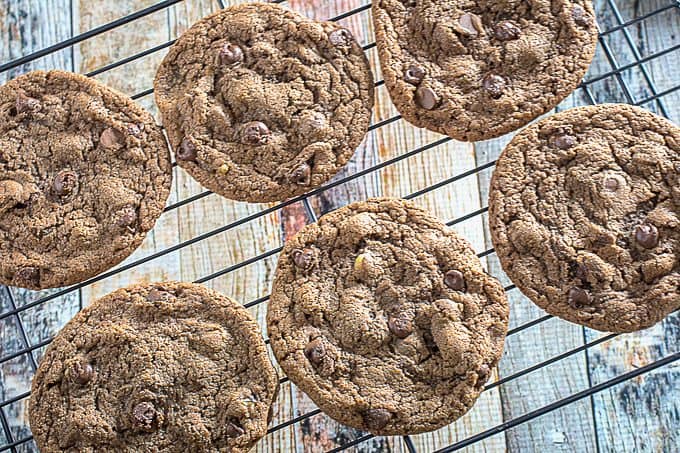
pixel 84 174
pixel 172 367
pixel 262 104
pixel 386 318
pixel 585 216
pixel 475 70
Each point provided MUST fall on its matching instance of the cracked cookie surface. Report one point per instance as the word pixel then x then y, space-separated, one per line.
pixel 585 216
pixel 84 174
pixel 386 318
pixel 475 70
pixel 172 367
pixel 262 104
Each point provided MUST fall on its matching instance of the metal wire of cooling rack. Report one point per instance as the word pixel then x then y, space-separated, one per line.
pixel 655 99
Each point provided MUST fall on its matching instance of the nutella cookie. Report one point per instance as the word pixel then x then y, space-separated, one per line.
pixel 386 318
pixel 585 216
pixel 262 104
pixel 84 174
pixel 172 367
pixel 475 70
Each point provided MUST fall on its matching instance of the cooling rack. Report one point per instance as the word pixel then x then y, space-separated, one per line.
pixel 633 65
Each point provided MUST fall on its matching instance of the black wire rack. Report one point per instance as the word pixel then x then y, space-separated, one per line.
pixel 18 439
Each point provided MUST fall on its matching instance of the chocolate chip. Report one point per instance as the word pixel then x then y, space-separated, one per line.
pixel 302 175
pixel 611 183
pixel 376 419
pixel 469 25
pixel 255 133
pixel 414 75
pixel 231 55
pixel 234 430
pixel 65 183
pixel 145 416
pixel 135 129
pixel 25 104
pixel 28 276
pixel 341 37
pixel 582 271
pixel 187 151
pixel 303 258
pixel 156 295
pixel 126 217
pixel 494 85
pixel 506 30
pixel 647 235
pixel 400 326
pixel 81 372
pixel 579 297
pixel 564 141
pixel 483 375
pixel 315 351
pixel 455 280
pixel 580 16
pixel 111 138
pixel 426 98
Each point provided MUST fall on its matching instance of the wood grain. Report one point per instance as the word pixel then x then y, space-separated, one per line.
pixel 640 415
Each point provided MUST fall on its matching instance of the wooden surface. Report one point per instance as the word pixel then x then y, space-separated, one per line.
pixel 637 416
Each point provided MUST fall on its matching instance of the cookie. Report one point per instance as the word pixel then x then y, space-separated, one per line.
pixel 84 174
pixel 585 216
pixel 475 70
pixel 172 367
pixel 386 318
pixel 262 104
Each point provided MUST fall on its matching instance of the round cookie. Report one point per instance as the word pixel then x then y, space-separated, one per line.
pixel 262 104
pixel 171 367
pixel 585 216
pixel 386 318
pixel 475 70
pixel 84 174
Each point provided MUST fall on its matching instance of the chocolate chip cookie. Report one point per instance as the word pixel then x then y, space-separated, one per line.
pixel 84 174
pixel 262 104
pixel 172 367
pixel 475 70
pixel 386 318
pixel 585 216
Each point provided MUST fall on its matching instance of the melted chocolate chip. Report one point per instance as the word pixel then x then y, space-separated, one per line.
pixel 400 326
pixel 494 85
pixel 564 141
pixel 231 55
pixel 81 372
pixel 126 217
pixel 110 138
pixel 65 183
pixel 315 351
pixel 483 375
pixel 426 98
pixel 255 133
pixel 187 151
pixel 303 258
pixel 145 416
pixel 234 430
pixel 580 16
pixel 611 183
pixel 376 419
pixel 414 75
pixel 647 235
pixel 455 280
pixel 28 276
pixel 302 175
pixel 469 25
pixel 579 297
pixel 156 295
pixel 341 37
pixel 506 30
pixel 26 104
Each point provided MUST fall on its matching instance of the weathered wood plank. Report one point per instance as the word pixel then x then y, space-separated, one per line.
pixel 639 415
